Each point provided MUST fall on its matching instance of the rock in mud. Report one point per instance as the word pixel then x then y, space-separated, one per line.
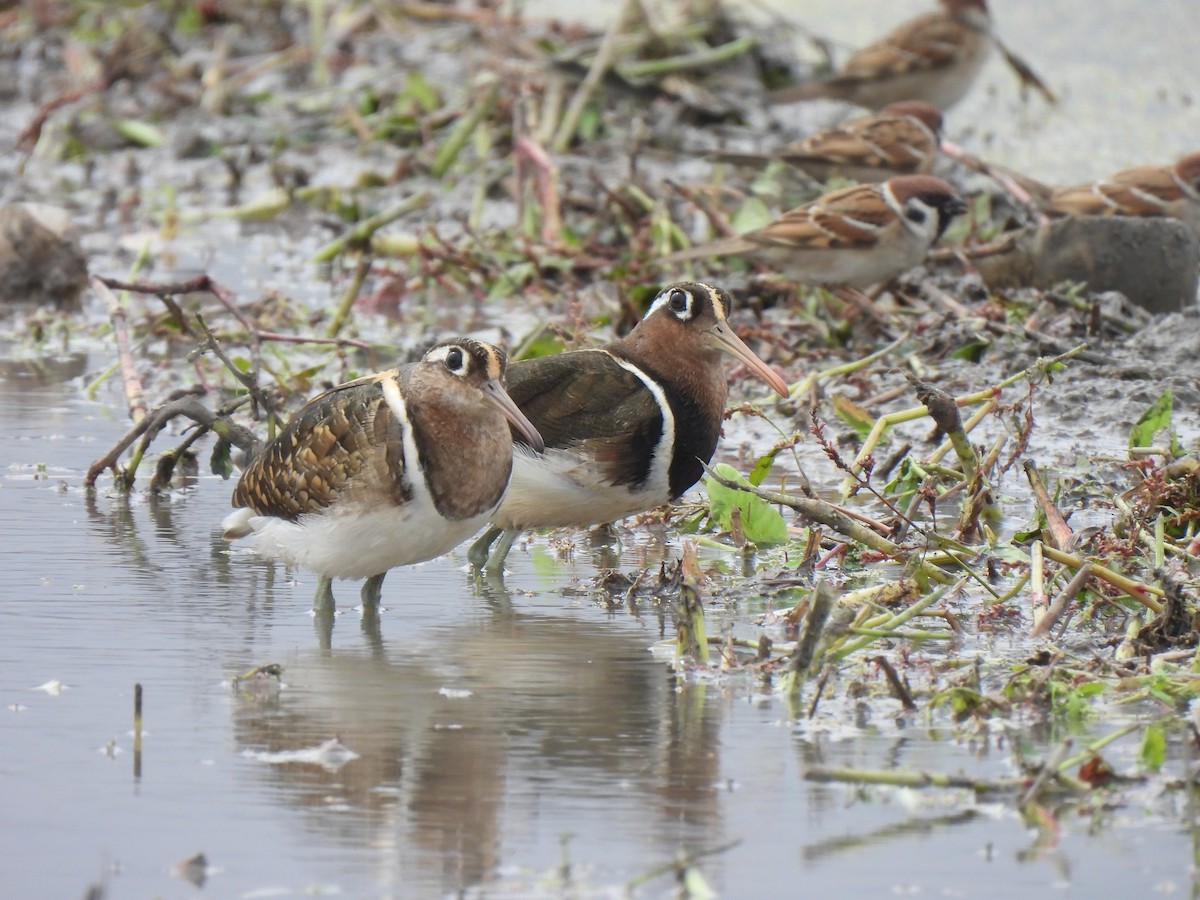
pixel 41 260
pixel 1153 262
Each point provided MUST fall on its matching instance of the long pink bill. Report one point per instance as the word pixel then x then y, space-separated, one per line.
pixel 496 393
pixel 735 346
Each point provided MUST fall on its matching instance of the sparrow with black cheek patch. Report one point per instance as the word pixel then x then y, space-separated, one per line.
pixel 901 139
pixel 628 426
pixel 392 469
pixel 853 237
pixel 1172 191
pixel 935 57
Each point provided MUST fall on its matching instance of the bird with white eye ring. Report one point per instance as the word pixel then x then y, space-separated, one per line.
pixel 628 427
pixel 388 470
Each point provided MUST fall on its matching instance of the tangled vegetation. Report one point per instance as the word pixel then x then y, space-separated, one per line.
pixel 510 171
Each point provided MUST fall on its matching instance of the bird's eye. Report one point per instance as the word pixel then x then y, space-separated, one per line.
pixel 455 361
pixel 915 214
pixel 679 301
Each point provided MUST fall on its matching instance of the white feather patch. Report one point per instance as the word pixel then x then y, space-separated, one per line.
pixel 561 487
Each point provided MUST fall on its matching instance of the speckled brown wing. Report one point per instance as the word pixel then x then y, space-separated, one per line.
pixel 1104 198
pixel 894 143
pixel 850 217
pixel 927 42
pixel 344 442
pixel 586 399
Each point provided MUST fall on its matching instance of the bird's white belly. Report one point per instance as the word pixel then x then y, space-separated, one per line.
pixel 358 543
pixel 559 489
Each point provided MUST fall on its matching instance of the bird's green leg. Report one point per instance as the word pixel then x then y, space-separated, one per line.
pixel 495 562
pixel 323 601
pixel 478 554
pixel 372 589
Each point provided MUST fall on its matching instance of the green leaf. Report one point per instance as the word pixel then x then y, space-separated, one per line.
pixel 762 467
pixel 1156 416
pixel 416 88
pixel 141 133
pixel 761 522
pixel 1154 748
pixel 220 463
pixel 853 414
pixel 753 214
pixel 971 351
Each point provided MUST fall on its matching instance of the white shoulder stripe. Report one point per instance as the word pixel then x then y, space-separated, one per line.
pixel 413 473
pixel 659 474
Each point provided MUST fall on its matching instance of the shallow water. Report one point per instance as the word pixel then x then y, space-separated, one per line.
pixel 519 742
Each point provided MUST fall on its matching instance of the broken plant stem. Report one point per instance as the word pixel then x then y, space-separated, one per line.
pixel 1050 616
pixel 899 778
pixel 155 421
pixel 821 603
pixel 805 384
pixel 892 623
pixel 1139 591
pixel 1059 531
pixel 135 395
pixel 448 152
pixel 701 59
pixel 246 379
pixel 360 235
pixel 1100 743
pixel 1049 769
pixel 601 63
pixel 943 409
pixel 827 514
pixel 1039 368
pixel 342 314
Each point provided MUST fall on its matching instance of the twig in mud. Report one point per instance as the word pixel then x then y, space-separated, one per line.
pixel 602 62
pixel 899 778
pixel 302 339
pixel 890 623
pixel 545 186
pixel 479 110
pixel 1060 532
pixel 898 687
pixel 1139 591
pixel 821 603
pixel 905 831
pixel 703 60
pixel 721 225
pixel 199 284
pixel 155 421
pixel 135 395
pixel 987 396
pixel 246 379
pixel 805 384
pixel 360 235
pixel 342 314
pixel 32 132
pixel 942 408
pixel 681 863
pixel 1048 770
pixel 819 511
pixel 1058 606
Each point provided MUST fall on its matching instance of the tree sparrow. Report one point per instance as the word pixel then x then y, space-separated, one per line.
pixel 934 57
pixel 1172 191
pixel 900 139
pixel 851 237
